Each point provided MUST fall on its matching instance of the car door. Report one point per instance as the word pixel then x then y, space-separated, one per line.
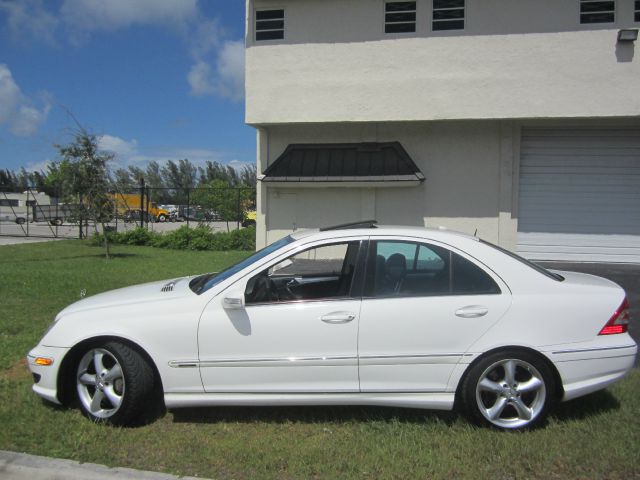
pixel 423 307
pixel 297 330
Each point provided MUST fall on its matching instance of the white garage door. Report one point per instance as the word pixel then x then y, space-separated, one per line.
pixel 579 194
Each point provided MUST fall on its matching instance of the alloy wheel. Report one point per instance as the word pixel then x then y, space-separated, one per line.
pixel 511 393
pixel 100 383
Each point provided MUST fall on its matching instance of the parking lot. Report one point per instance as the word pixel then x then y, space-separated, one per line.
pixel 43 230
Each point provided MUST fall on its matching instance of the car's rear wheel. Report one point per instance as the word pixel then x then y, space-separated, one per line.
pixel 509 390
pixel 20 221
pixel 114 384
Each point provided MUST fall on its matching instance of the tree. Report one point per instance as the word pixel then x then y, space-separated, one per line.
pixel 227 202
pixel 82 171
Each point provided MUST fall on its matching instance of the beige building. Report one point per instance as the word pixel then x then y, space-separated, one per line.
pixel 515 119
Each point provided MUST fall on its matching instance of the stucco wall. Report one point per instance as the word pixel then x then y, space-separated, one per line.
pixel 515 59
pixel 462 191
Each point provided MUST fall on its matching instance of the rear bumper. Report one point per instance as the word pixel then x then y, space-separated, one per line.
pixel 589 368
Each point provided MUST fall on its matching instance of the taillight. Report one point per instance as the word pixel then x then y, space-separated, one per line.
pixel 619 321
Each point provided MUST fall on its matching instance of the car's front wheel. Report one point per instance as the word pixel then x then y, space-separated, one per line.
pixel 114 384
pixel 509 390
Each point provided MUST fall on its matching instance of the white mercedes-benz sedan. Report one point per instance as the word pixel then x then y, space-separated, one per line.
pixel 358 314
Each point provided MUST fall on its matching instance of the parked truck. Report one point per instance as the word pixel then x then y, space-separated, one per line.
pixel 56 214
pixel 130 205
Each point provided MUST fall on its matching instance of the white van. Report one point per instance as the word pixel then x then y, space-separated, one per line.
pixel 18 207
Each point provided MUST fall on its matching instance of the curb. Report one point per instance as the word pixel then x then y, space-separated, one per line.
pixel 21 466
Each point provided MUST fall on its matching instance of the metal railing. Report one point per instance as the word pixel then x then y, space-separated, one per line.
pixel 35 214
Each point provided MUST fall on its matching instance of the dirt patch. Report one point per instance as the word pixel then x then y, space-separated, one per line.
pixel 16 371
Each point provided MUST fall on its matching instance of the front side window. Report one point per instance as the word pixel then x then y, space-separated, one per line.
pixel 269 24
pixel 399 17
pixel 319 273
pixel 8 202
pixel 636 14
pixel 410 269
pixel 448 15
pixel 596 11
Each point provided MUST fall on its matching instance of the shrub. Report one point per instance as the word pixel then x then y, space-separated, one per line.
pixel 137 236
pixel 184 238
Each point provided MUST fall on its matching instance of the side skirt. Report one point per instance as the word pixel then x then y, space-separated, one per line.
pixel 432 401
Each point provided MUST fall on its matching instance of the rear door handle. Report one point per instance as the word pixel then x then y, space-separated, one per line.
pixel 338 317
pixel 472 311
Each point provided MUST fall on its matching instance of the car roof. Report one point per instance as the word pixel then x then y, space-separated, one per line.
pixel 440 233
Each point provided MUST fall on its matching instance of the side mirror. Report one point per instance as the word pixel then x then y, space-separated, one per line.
pixel 233 301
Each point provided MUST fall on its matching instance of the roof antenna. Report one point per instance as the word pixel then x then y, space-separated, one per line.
pixel 475 234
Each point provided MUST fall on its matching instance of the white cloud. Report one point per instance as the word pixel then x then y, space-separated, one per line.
pixel 205 37
pixel 227 79
pixel 230 69
pixel 218 64
pixel 129 152
pixel 238 164
pixel 200 79
pixel 117 145
pixel 17 110
pixel 91 15
pixel 29 18
pixel 38 166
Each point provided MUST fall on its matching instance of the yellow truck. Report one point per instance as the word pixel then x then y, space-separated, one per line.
pixel 128 205
pixel 249 219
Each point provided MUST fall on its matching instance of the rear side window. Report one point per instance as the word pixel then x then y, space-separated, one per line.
pixel 411 269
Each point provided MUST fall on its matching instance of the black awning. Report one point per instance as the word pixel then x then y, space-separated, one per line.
pixel 344 162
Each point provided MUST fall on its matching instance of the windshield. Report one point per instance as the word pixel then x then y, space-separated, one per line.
pixel 535 266
pixel 205 282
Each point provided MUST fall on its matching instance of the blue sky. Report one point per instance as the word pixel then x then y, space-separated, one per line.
pixel 153 79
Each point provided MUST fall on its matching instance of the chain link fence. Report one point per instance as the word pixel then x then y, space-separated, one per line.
pixel 61 215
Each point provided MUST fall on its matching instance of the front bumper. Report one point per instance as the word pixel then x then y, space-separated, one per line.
pixel 46 377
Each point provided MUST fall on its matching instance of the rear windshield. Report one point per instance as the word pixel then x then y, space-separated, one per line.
pixel 535 266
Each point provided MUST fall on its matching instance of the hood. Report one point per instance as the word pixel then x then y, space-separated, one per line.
pixel 152 292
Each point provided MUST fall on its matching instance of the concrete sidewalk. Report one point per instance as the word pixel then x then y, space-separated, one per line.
pixel 20 466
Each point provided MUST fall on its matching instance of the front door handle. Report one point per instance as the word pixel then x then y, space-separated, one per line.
pixel 338 317
pixel 472 311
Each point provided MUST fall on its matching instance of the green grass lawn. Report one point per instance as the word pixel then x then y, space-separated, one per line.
pixel 594 437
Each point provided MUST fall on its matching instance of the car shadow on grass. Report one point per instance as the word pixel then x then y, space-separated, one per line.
pixel 312 415
pixel 588 406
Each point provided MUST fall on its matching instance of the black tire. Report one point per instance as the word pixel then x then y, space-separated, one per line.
pixel 56 222
pixel 134 387
pixel 488 400
pixel 162 218
pixel 20 221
